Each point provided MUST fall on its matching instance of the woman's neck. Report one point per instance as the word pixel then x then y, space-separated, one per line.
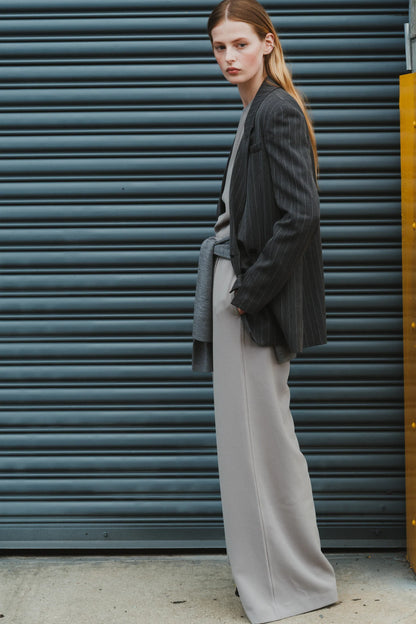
pixel 249 89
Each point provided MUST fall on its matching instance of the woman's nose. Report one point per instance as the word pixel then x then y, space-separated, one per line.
pixel 229 55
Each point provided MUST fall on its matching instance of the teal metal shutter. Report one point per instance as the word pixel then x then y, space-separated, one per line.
pixel 115 125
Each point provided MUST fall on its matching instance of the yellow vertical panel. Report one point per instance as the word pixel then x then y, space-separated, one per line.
pixel 408 165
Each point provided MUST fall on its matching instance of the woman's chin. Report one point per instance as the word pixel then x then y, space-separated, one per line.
pixel 235 80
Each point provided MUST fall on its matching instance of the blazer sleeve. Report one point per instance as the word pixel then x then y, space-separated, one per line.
pixel 287 144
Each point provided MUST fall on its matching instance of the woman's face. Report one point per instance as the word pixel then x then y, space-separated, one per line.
pixel 240 52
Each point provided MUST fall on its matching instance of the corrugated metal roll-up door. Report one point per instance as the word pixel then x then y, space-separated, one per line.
pixel 115 125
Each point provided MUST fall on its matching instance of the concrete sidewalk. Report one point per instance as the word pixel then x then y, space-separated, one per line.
pixel 374 588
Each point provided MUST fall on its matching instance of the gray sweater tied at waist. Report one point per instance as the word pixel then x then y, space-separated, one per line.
pixel 202 354
pixel 211 247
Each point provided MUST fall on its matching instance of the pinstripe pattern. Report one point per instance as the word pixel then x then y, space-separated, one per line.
pixel 275 235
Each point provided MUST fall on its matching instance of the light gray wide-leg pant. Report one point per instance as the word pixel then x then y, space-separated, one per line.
pixel 271 535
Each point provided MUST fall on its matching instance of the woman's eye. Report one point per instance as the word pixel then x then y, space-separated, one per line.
pixel 242 45
pixel 219 48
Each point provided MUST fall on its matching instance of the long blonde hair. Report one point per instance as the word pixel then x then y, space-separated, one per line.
pixel 253 13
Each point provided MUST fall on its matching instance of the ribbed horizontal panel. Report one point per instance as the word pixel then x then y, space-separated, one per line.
pixel 145 167
pixel 376 331
pixel 125 305
pixel 169 213
pixel 335 93
pixel 51 51
pixel 105 418
pixel 88 350
pixel 165 372
pixel 105 74
pixel 79 237
pixel 176 6
pixel 115 126
pixel 129 487
pixel 82 466
pixel 116 283
pixel 355 187
pixel 156 440
pixel 111 122
pixel 121 392
pixel 175 26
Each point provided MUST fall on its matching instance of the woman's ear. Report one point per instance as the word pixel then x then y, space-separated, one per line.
pixel 268 43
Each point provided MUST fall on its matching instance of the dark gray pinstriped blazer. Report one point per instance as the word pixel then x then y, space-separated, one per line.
pixel 274 217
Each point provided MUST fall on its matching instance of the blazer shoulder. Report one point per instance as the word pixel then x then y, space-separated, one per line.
pixel 278 101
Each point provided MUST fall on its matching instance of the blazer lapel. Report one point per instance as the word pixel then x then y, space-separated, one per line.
pixel 238 186
pixel 220 205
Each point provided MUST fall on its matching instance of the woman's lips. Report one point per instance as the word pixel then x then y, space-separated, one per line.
pixel 232 71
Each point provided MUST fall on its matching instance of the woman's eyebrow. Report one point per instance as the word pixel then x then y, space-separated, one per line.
pixel 233 41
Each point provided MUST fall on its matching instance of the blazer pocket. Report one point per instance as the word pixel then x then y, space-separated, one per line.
pixel 254 147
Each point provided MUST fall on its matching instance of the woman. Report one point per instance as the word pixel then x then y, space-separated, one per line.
pixel 267 300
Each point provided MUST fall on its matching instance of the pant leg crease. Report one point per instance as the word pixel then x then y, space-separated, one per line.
pixel 243 337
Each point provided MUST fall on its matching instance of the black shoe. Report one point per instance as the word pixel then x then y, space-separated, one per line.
pixel 236 592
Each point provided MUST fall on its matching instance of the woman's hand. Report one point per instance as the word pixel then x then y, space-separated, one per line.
pixel 239 310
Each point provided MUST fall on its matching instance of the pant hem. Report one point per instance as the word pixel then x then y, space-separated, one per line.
pixel 321 601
